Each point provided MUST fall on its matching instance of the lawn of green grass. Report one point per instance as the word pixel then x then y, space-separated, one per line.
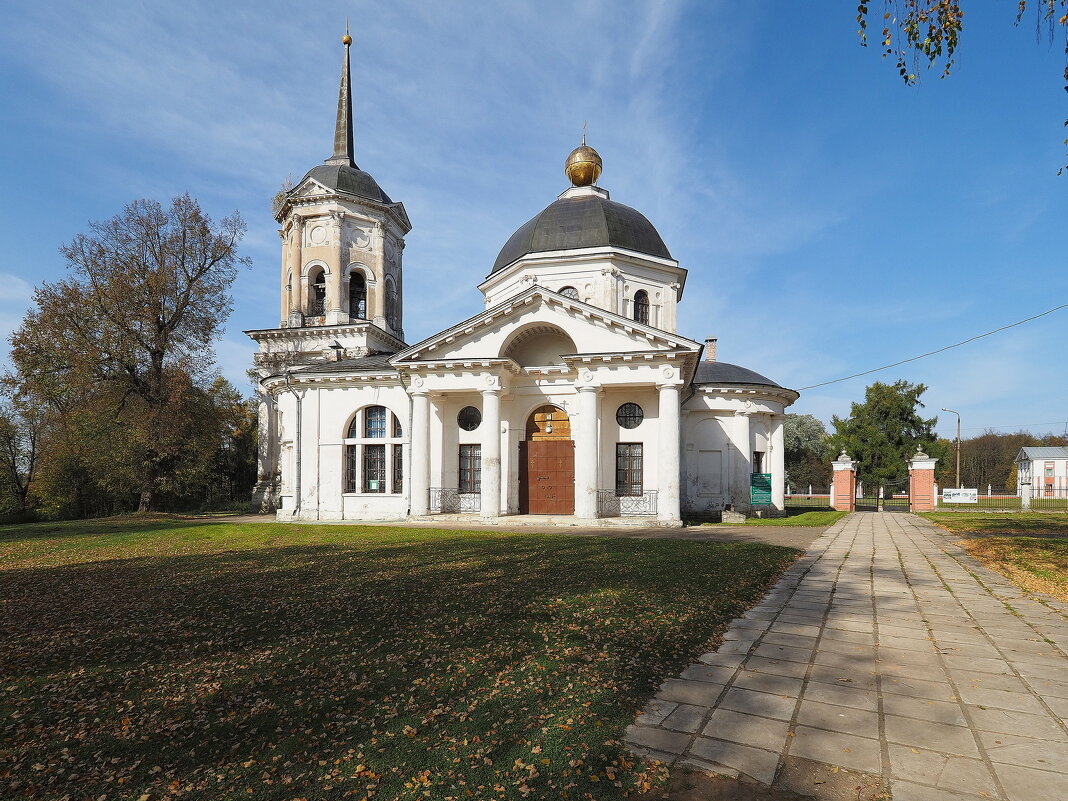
pixel 794 517
pixel 809 518
pixel 174 658
pixel 1030 549
pixel 991 523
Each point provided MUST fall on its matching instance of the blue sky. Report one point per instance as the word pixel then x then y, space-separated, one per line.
pixel 831 219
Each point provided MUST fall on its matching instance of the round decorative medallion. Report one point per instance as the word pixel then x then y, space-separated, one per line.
pixel 317 235
pixel 361 237
pixel 587 375
pixel 668 372
pixel 417 382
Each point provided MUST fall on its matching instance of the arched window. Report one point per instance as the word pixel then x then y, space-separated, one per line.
pixel 374 453
pixel 391 306
pixel 641 306
pixel 358 296
pixel 569 292
pixel 317 301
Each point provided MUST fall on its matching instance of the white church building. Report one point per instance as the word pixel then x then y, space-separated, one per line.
pixel 572 395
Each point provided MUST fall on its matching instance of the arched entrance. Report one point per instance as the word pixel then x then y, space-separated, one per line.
pixel 547 464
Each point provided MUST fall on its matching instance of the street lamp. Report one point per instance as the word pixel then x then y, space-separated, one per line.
pixel 944 409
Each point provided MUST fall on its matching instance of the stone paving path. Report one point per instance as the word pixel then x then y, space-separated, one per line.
pixel 884 650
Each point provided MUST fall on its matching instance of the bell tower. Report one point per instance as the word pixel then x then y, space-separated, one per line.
pixel 342 247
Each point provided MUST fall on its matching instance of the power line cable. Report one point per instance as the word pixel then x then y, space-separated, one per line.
pixel 940 350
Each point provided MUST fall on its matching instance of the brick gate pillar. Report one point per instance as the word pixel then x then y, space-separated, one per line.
pixel 921 482
pixel 844 489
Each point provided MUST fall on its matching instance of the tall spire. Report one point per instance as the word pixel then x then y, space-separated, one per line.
pixel 343 150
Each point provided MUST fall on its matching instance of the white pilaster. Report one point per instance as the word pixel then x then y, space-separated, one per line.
pixel 668 443
pixel 491 453
pixel 743 463
pixel 420 456
pixel 586 453
pixel 777 465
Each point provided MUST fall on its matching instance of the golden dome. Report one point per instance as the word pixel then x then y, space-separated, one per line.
pixel 346 39
pixel 583 166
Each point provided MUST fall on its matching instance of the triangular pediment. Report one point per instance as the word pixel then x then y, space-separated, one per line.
pixel 309 187
pixel 489 335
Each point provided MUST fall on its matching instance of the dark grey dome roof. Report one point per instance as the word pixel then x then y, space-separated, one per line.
pixel 585 221
pixel 349 181
pixel 727 373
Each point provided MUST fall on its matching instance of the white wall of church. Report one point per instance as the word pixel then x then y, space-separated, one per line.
pixel 326 415
pixel 720 433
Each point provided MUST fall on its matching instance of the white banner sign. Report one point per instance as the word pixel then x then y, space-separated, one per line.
pixel 960 495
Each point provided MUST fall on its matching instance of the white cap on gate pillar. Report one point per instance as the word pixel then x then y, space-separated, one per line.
pixel 921 461
pixel 843 462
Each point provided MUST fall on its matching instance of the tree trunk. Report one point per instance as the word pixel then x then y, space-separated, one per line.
pixel 145 504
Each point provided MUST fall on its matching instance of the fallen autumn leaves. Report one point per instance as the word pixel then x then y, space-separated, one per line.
pixel 281 662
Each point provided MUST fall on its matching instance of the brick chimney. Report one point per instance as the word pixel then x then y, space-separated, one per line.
pixel 710 349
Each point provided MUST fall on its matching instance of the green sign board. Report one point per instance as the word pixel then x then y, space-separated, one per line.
pixel 760 489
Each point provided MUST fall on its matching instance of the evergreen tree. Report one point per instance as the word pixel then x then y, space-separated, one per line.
pixel 883 432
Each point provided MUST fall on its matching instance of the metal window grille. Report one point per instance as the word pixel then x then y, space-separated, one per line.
pixel 374 422
pixel 470 469
pixel 569 292
pixel 352 468
pixel 630 415
pixel 374 468
pixel 398 469
pixel 641 306
pixel 628 468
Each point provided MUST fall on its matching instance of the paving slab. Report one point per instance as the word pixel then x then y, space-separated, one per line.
pixel 888 654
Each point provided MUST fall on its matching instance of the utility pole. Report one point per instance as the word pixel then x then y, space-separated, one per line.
pixel 944 409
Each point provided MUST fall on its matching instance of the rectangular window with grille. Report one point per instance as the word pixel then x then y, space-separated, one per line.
pixel 374 468
pixel 398 469
pixel 374 424
pixel 470 469
pixel 628 468
pixel 352 468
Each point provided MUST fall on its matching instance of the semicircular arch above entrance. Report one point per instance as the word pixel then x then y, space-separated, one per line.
pixel 538 345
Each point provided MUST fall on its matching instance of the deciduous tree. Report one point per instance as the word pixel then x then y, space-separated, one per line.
pixel 918 31
pixel 807 462
pixel 130 333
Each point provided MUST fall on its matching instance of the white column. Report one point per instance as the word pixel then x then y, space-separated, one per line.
pixel 491 453
pixel 777 463
pixel 586 454
pixel 419 462
pixel 668 506
pixel 743 465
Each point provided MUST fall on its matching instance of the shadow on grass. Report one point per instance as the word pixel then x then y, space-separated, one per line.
pixel 484 660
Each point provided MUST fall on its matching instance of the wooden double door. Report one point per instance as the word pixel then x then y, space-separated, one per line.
pixel 547 477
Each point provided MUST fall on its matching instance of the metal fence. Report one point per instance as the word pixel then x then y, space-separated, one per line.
pixel 611 505
pixel 808 501
pixel 1043 499
pixel 444 500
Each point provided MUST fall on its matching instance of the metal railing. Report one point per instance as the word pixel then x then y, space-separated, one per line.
pixel 1042 499
pixel 444 500
pixel 808 501
pixel 611 505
